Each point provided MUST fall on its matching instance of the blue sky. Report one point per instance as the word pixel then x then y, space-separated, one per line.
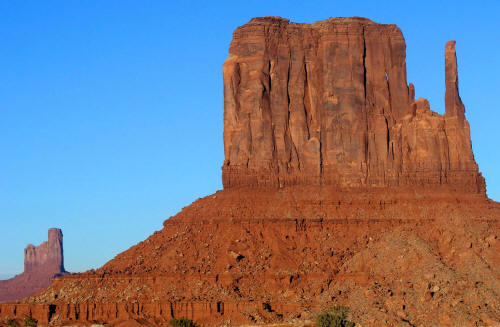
pixel 111 111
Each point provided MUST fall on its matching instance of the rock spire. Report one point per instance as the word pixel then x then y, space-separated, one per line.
pixel 352 172
pixel 454 105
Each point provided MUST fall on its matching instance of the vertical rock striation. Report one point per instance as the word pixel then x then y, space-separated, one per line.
pixel 41 264
pixel 328 104
pixel 353 174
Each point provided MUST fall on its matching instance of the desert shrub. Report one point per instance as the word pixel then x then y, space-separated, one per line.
pixel 334 317
pixel 11 323
pixel 182 322
pixel 30 322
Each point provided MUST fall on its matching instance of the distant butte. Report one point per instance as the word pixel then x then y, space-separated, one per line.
pixel 41 264
pixel 339 189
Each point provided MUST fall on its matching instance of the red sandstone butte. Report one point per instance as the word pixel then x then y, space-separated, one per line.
pixel 328 104
pixel 41 264
pixel 339 189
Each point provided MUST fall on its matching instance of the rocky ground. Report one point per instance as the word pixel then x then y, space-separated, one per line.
pixel 339 189
pixel 389 267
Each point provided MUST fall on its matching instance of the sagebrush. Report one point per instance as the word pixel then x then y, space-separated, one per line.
pixel 183 322
pixel 11 323
pixel 334 317
pixel 30 322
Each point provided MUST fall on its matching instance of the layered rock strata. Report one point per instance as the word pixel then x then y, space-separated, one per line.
pixel 339 189
pixel 41 264
pixel 246 257
pixel 328 104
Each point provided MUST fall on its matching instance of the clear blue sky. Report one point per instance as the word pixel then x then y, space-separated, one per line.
pixel 111 111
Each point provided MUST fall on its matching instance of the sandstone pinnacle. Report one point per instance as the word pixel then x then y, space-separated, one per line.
pixel 340 188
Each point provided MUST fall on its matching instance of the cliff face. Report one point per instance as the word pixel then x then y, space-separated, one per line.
pixel 365 198
pixel 328 104
pixel 41 264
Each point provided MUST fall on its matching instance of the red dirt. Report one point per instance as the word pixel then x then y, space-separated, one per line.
pixel 339 188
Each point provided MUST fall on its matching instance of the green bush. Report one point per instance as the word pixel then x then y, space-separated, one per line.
pixel 11 323
pixel 334 317
pixel 30 322
pixel 182 322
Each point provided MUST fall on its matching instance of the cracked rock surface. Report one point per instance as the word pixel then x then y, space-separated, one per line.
pixel 339 189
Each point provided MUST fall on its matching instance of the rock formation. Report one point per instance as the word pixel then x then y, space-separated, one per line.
pixel 339 188
pixel 41 264
pixel 328 104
